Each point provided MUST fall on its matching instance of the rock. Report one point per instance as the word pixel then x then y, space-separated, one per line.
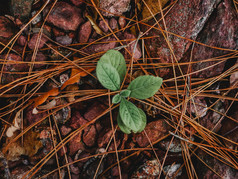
pixel 95 110
pixel 200 20
pixel 65 130
pixel 103 26
pixel 76 144
pixel 122 22
pixel 155 130
pixel 210 121
pixel 89 136
pixel 21 40
pixel 84 32
pixel 223 170
pixel 11 63
pixel 104 138
pixel 172 171
pixel 229 131
pixel 114 7
pixel 40 57
pixel 21 9
pixel 32 44
pixel 150 169
pixel 77 120
pixel 198 106
pixel 74 169
pixel 109 43
pixel 7 28
pixel 77 2
pixel 64 40
pixel 65 16
pixel 37 18
pixel 113 23
pixel 137 53
pixel 20 171
pixel 33 118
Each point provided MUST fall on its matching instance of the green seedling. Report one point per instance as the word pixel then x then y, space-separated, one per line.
pixel 111 71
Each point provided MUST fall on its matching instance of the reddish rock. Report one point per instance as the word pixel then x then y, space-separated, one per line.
pixel 95 110
pixel 65 16
pixel 114 7
pixel 32 44
pixel 57 32
pixel 12 63
pixel 155 130
pixel 103 26
pixel 64 40
pixel 77 2
pixel 74 169
pixel 200 20
pixel 33 118
pixel 21 40
pixel 76 144
pixel 137 53
pixel 104 138
pixel 113 23
pixel 107 44
pixel 84 32
pixel 229 131
pixel 65 130
pixel 122 22
pixel 77 120
pixel 89 136
pixel 198 106
pixel 7 27
pixel 40 57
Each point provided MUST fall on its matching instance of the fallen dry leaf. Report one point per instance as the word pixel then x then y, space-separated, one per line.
pixel 151 6
pixel 76 74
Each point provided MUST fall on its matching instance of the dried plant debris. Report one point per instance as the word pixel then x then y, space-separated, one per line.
pixel 53 103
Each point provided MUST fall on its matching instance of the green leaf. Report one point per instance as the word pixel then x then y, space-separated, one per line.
pixel 122 126
pixel 125 93
pixel 144 86
pixel 130 115
pixel 108 76
pixel 116 99
pixel 116 59
pixel 144 121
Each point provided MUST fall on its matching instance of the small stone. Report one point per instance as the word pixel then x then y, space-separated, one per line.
pixel 77 120
pixel 21 8
pixel 21 40
pixel 77 2
pixel 198 106
pixel 76 144
pixel 11 63
pixel 113 23
pixel 37 18
pixel 89 136
pixel 109 43
pixel 65 130
pixel 155 130
pixel 32 44
pixel 7 28
pixel 33 118
pixel 40 57
pixel 95 110
pixel 114 7
pixel 84 32
pixel 104 138
pixel 64 40
pixel 103 26
pixel 122 22
pixel 135 52
pixel 65 16
pixel 73 169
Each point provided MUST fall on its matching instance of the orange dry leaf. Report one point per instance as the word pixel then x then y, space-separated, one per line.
pixel 76 74
pixel 41 99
